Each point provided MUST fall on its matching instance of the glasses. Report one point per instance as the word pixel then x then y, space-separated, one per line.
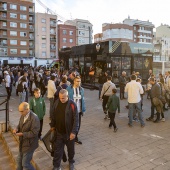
pixel 78 81
pixel 21 111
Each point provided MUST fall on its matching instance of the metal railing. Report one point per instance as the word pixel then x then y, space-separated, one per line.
pixel 6 101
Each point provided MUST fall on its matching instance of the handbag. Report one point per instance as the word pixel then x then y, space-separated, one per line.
pixel 105 92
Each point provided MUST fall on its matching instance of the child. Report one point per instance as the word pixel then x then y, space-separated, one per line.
pixel 112 105
pixel 37 105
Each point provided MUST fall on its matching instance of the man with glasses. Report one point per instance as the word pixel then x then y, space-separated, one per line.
pixel 76 93
pixel 27 131
pixel 64 121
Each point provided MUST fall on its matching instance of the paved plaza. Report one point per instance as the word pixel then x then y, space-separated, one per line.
pixel 136 148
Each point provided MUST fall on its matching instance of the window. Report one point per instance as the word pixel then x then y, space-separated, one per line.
pixel 64 46
pixel 81 33
pixel 43 45
pixel 43 29
pixel 13 51
pixel 13 15
pixel 64 32
pixel 23 34
pixel 4 33
pixel 4 24
pixel 71 40
pixel 23 43
pixel 13 24
pixel 71 32
pixel 43 20
pixel 13 42
pixel 13 33
pixel 43 54
pixel 64 40
pixel 134 27
pixel 43 37
pixel 23 16
pixel 23 51
pixel 23 8
pixel 12 6
pixel 23 25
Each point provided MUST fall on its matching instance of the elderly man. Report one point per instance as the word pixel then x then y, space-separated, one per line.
pixel 27 130
pixel 122 84
pixel 65 122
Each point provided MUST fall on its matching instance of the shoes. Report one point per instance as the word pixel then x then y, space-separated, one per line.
pixel 71 166
pixel 57 168
pixel 115 130
pixel 106 116
pixel 143 126
pixel 78 142
pixel 149 119
pixel 130 125
pixel 64 157
pixel 127 107
pixel 156 121
pixel 165 108
pixel 163 119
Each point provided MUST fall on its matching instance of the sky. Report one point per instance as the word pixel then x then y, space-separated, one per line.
pixel 109 11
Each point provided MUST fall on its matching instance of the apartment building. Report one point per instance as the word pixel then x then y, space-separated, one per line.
pixel 66 36
pixel 84 31
pixel 17 29
pixel 130 30
pixel 46 36
pixel 162 43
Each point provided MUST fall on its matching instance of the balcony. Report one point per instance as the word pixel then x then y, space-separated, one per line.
pixel 53 48
pixel 52 24
pixel 3 44
pixel 31 20
pixel 53 33
pixel 53 39
pixel 31 29
pixel 31 11
pixel 3 17
pixel 31 38
pixel 3 36
pixel 31 46
pixel 3 8
pixel 3 27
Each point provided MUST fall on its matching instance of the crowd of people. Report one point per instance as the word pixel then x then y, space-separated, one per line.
pixel 67 105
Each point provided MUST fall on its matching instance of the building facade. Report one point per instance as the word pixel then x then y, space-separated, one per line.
pixel 130 30
pixel 84 31
pixel 162 43
pixel 66 36
pixel 17 29
pixel 46 40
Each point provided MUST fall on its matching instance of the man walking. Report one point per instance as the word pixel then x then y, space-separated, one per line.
pixel 134 90
pixel 27 130
pixel 76 93
pixel 64 121
pixel 106 92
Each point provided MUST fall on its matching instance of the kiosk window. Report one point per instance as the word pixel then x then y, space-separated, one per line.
pixel 126 63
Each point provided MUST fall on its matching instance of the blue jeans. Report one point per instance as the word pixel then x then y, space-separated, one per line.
pixel 22 97
pixel 138 109
pixel 24 161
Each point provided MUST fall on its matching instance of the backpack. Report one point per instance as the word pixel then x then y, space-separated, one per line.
pixel 20 87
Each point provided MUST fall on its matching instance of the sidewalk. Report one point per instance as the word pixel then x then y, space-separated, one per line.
pixel 102 149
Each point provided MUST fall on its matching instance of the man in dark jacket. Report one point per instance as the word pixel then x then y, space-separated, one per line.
pixel 155 92
pixel 64 121
pixel 122 84
pixel 27 130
